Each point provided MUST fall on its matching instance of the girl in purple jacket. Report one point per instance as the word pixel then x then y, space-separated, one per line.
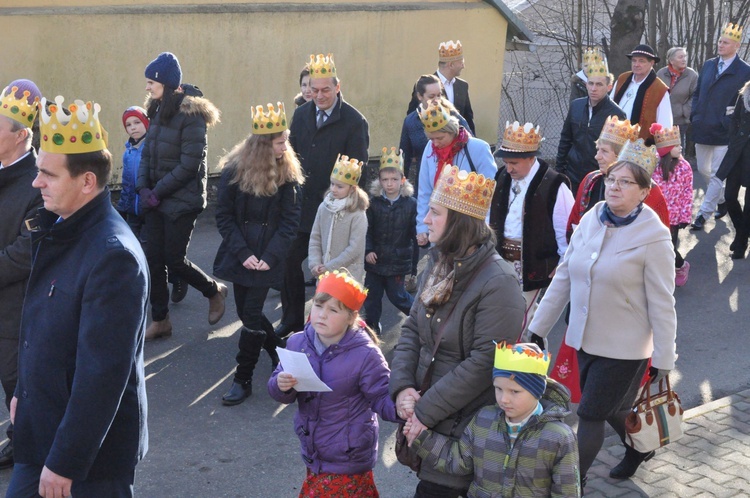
pixel 338 430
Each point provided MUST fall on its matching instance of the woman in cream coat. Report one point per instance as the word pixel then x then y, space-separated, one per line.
pixel 618 275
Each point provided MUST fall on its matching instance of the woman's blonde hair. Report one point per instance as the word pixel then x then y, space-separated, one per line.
pixel 257 171
pixel 356 200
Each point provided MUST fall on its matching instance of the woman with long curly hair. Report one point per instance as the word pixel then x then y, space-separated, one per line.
pixel 257 215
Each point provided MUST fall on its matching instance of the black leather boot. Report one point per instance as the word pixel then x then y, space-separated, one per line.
pixel 6 456
pixel 238 393
pixel 630 463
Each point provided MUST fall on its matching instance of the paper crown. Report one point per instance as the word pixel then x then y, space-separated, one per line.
pixel 464 192
pixel 18 109
pixel 592 54
pixel 637 153
pixel 665 137
pixel 347 170
pixel 392 159
pixel 449 51
pixel 517 358
pixel 596 64
pixel 435 117
pixel 322 66
pixel 342 286
pixel 519 138
pixel 618 132
pixel 77 133
pixel 271 121
pixel 732 31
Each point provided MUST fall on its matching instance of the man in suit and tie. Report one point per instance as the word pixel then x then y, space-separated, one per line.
pixel 719 82
pixel 450 65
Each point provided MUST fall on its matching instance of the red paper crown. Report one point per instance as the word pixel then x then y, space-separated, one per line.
pixel 342 286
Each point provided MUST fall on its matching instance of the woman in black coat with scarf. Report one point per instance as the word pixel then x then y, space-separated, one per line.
pixel 735 169
pixel 258 214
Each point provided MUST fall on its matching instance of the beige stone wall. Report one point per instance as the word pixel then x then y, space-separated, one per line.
pixel 246 57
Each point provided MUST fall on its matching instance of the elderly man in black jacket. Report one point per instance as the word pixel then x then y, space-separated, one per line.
pixel 321 129
pixel 576 153
pixel 80 402
pixel 18 201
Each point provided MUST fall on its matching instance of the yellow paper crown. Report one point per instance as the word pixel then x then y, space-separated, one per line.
pixel 342 286
pixel 322 66
pixel 77 133
pixel 517 358
pixel 347 170
pixel 519 138
pixel 732 31
pixel 618 132
pixel 596 64
pixel 637 153
pixel 449 51
pixel 591 54
pixel 435 117
pixel 18 109
pixel 392 159
pixel 464 192
pixel 271 121
pixel 667 137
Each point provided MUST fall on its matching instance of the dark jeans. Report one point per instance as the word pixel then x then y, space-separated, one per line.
pixel 740 217
pixel 293 289
pixel 427 489
pixel 8 372
pixel 394 289
pixel 166 246
pixel 24 483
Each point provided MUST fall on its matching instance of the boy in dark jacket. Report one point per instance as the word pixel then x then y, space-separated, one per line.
pixel 519 447
pixel 391 238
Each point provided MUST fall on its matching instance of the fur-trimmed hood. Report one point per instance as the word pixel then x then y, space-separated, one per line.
pixel 376 190
pixel 194 105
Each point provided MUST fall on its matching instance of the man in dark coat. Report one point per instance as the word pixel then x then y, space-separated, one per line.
pixel 321 130
pixel 719 82
pixel 576 153
pixel 18 201
pixel 450 65
pixel 79 407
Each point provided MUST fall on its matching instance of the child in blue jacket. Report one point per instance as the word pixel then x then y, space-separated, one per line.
pixel 136 125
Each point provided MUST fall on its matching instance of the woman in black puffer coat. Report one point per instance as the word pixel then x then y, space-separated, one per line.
pixel 172 188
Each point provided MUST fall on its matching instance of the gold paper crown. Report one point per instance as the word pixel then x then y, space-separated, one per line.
pixel 464 192
pixel 618 132
pixel 666 137
pixel 637 153
pixel 272 121
pixel 449 51
pixel 519 138
pixel 392 159
pixel 732 31
pixel 596 64
pixel 517 358
pixel 435 117
pixel 322 66
pixel 592 54
pixel 347 170
pixel 342 286
pixel 77 133
pixel 18 109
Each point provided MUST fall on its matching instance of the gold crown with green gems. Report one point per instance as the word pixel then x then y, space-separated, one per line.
pixel 392 159
pixel 732 31
pixel 271 121
pixel 435 117
pixel 636 152
pixel 347 170
pixel 322 66
pixel 18 109
pixel 75 133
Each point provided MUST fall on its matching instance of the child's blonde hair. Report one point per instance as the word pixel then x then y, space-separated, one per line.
pixel 323 297
pixel 356 200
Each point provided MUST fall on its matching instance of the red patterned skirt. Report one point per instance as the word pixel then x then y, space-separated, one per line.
pixel 325 485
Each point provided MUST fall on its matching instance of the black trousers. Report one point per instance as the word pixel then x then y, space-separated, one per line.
pixel 166 246
pixel 8 372
pixel 24 483
pixel 257 332
pixel 293 288
pixel 740 217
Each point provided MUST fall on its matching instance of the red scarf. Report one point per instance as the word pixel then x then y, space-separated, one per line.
pixel 674 74
pixel 446 154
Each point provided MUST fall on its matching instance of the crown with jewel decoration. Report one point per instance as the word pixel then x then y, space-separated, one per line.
pixel 592 54
pixel 18 109
pixel 518 138
pixel 322 66
pixel 618 132
pixel 636 152
pixel 435 117
pixel 732 31
pixel 596 64
pixel 342 286
pixel 271 121
pixel 347 170
pixel 665 137
pixel 77 133
pixel 464 192
pixel 518 358
pixel 392 159
pixel 449 51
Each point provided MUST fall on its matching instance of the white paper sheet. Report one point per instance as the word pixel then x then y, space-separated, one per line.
pixel 298 365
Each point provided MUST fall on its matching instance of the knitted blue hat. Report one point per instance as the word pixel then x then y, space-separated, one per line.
pixel 534 383
pixel 165 69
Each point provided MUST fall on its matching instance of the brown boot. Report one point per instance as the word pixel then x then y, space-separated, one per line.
pixel 159 329
pixel 216 304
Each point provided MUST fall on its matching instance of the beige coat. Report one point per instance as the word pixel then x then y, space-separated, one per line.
pixel 348 231
pixel 619 282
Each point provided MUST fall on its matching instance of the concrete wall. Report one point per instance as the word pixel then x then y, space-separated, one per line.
pixel 242 54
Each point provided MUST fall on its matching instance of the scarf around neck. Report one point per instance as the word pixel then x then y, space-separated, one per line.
pixel 445 155
pixel 610 219
pixel 674 73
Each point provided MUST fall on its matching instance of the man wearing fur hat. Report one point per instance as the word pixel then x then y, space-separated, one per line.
pixel 18 201
pixel 79 406
pixel 641 95
pixel 719 82
pixel 529 212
